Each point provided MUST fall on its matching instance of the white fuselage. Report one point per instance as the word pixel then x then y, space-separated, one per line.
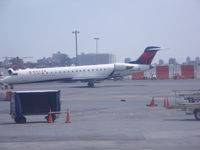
pixel 73 73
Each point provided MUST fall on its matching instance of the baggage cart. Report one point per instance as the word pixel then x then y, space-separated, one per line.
pixel 24 103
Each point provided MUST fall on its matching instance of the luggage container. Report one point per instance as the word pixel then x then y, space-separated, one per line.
pixel 138 76
pixel 34 103
pixel 162 72
pixel 187 71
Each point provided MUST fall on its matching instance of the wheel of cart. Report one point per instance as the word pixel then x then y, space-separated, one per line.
pixel 20 119
pixel 190 99
pixel 197 114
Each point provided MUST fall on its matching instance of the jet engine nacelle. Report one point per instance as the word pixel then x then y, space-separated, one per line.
pixel 120 67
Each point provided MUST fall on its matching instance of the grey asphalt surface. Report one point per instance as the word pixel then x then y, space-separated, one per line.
pixel 101 121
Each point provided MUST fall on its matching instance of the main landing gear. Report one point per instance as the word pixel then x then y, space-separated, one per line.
pixel 91 84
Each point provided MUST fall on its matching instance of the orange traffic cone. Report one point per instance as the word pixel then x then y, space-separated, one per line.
pixel 68 118
pixel 152 103
pixel 50 119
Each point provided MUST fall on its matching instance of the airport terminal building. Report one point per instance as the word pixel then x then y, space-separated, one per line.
pixel 92 59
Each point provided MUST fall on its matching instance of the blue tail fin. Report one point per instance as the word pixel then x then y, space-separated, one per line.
pixel 147 56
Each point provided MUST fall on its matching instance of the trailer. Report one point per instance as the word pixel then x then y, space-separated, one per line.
pixel 189 101
pixel 40 102
pixel 192 96
pixel 193 109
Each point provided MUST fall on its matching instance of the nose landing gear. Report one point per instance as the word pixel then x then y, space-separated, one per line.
pixel 6 87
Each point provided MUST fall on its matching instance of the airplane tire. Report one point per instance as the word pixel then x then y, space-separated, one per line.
pixel 197 114
pixel 91 84
pixel 11 87
pixel 6 87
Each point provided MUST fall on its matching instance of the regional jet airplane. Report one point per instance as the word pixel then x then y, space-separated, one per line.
pixel 89 74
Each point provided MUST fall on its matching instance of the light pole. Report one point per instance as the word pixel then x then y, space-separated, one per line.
pixel 76 32
pixel 96 39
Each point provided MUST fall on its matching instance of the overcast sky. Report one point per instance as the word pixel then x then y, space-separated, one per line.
pixel 39 28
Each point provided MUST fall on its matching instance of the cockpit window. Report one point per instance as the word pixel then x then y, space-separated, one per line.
pixel 12 74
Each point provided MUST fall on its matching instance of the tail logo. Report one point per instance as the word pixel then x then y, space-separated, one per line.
pixel 147 56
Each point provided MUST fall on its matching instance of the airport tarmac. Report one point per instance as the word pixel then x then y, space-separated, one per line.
pixel 101 121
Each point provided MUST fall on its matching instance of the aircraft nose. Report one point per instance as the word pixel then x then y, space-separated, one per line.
pixel 2 80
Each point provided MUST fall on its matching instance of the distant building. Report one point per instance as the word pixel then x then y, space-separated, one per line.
pixel 13 62
pixel 172 61
pixel 57 59
pixel 127 60
pixel 188 60
pixel 1 64
pixel 161 62
pixel 197 59
pixel 45 62
pixel 192 62
pixel 30 65
pixel 61 59
pixel 92 59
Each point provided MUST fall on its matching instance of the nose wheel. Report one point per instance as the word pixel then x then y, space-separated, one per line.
pixel 11 87
pixel 6 87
